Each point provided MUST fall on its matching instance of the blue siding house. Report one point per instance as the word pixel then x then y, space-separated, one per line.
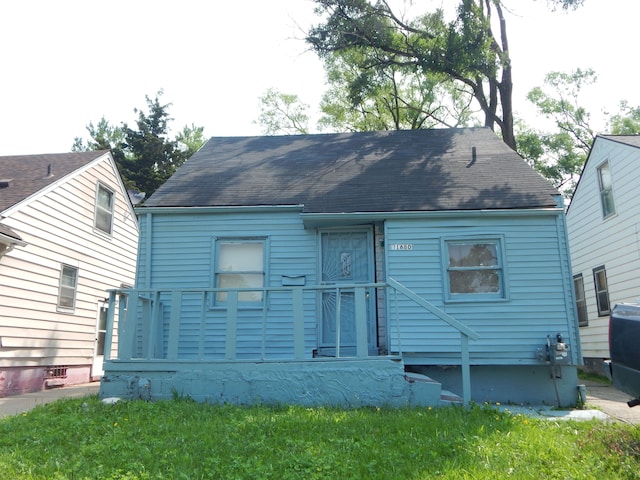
pixel 382 268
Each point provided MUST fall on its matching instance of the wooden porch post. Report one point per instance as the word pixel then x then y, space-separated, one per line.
pixel 109 325
pixel 362 342
pixel 232 325
pixel 466 369
pixel 298 324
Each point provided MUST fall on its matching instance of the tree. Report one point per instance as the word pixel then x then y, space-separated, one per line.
pixel 627 122
pixel 472 49
pixel 103 136
pixel 559 155
pixel 282 113
pixel 362 96
pixel 190 139
pixel 146 157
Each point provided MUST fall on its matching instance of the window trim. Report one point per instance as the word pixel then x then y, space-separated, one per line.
pixel 101 209
pixel 61 287
pixel 218 241
pixel 581 301
pixel 604 192
pixel 601 312
pixel 500 296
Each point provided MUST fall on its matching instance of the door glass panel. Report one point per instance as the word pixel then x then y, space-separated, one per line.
pixel 345 260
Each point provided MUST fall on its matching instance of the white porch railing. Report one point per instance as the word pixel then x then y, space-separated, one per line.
pixel 150 324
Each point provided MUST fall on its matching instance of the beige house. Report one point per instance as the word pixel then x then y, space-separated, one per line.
pixel 68 233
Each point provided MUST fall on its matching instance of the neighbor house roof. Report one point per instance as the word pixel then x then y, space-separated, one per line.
pixel 632 140
pixel 391 171
pixel 23 175
pixel 7 234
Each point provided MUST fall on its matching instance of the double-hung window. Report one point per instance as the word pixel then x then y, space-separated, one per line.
pixel 602 291
pixel 104 209
pixel 240 264
pixel 68 286
pixel 474 269
pixel 581 302
pixel 606 190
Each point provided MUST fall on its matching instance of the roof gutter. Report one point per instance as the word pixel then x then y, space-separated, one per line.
pixel 224 209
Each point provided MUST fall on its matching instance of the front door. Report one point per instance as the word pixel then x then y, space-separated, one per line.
pixel 346 258
pixel 101 332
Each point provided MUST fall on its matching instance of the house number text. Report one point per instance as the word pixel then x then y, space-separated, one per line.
pixel 402 246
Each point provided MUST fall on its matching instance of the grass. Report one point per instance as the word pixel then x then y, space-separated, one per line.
pixel 594 377
pixel 180 439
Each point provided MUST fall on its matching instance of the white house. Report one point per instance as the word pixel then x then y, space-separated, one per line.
pixel 68 234
pixel 603 222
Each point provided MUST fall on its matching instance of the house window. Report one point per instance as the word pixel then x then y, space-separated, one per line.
pixel 68 285
pixel 240 264
pixel 104 209
pixel 474 269
pixel 606 191
pixel 602 291
pixel 581 303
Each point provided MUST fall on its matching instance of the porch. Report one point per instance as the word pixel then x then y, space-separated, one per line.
pixel 184 342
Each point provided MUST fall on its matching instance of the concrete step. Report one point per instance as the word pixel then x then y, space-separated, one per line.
pixel 446 397
pixel 450 398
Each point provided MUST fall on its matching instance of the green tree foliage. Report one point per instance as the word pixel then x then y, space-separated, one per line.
pixel 627 122
pixel 560 154
pixel 282 113
pixel 103 136
pixel 463 50
pixel 145 155
pixel 472 49
pixel 364 95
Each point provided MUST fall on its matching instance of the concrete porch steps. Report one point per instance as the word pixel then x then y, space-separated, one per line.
pixel 446 397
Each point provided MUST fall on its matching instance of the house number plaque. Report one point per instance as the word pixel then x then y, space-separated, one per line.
pixel 402 246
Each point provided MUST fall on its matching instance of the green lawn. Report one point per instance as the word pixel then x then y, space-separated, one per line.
pixel 180 439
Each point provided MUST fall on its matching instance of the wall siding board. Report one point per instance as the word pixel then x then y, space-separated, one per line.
pixel 511 330
pixel 613 242
pixel 189 263
pixel 58 228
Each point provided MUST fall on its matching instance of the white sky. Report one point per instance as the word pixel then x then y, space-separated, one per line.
pixel 66 63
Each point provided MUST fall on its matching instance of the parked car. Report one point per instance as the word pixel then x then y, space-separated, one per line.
pixel 624 345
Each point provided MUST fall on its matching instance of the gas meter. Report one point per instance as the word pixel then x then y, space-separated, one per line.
pixel 556 351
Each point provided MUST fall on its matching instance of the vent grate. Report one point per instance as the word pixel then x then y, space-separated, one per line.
pixel 57 371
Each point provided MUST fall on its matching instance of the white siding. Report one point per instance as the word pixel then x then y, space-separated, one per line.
pixel 612 242
pixel 58 228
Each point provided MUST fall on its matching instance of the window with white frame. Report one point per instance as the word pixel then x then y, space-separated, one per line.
pixel 474 269
pixel 606 190
pixel 68 287
pixel 104 209
pixel 240 264
pixel 581 302
pixel 602 290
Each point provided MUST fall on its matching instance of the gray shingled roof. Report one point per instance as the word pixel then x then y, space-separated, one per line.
pixel 632 140
pixel 23 175
pixel 413 170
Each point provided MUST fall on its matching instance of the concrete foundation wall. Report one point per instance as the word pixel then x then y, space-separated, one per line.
pixel 526 384
pixel 19 380
pixel 372 382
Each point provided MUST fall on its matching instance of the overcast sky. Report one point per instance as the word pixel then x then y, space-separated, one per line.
pixel 66 63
